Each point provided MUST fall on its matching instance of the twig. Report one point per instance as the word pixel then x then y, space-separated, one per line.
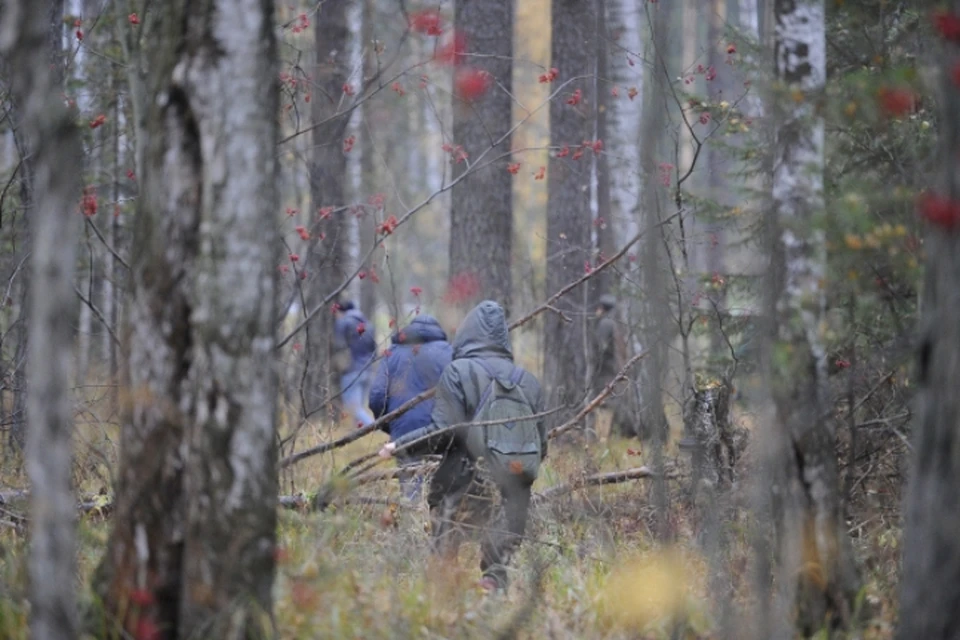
pixel 390 474
pixel 614 258
pixel 359 433
pixel 593 404
pixel 413 443
pixel 113 251
pixel 99 315
pixel 302 503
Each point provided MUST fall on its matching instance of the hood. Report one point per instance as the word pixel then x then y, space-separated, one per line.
pixel 423 328
pixel 607 301
pixel 483 332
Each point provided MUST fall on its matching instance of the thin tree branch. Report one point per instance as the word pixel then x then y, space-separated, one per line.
pixel 112 251
pixel 593 404
pixel 99 315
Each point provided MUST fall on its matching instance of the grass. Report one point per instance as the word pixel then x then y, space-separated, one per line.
pixel 589 568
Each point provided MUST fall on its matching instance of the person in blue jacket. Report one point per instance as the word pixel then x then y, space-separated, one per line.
pixel 417 356
pixel 354 352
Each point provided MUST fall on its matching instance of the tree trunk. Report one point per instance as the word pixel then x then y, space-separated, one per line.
pixel 930 592
pixel 623 114
pixel 604 224
pixel 750 27
pixel 325 263
pixel 110 266
pixel 31 31
pixel 690 20
pixel 717 183
pixel 191 551
pixel 817 548
pixel 568 203
pixel 481 212
pixel 367 223
pixel 655 306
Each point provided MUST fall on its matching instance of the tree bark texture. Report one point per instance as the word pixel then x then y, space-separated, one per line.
pixel 623 17
pixel 930 592
pixel 31 40
pixel 568 202
pixel 816 547
pixel 604 224
pixel 191 551
pixel 326 261
pixel 481 212
pixel 654 304
pixel 367 223
pixel 53 48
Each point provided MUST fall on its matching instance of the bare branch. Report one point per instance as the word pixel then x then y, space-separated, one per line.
pixel 593 404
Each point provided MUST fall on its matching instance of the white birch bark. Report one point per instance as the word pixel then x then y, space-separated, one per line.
pixel 231 477
pixel 624 115
pixel 815 548
pixel 195 519
pixel 29 39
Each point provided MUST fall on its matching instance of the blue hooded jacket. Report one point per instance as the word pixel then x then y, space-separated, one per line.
pixel 417 357
pixel 362 345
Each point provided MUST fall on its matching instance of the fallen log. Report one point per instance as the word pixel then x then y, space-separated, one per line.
pixel 595 480
pixel 305 503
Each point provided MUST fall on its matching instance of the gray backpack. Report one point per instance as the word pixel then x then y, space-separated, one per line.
pixel 510 448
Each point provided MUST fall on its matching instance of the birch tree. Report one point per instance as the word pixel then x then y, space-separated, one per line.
pixel 191 551
pixel 930 592
pixel 816 546
pixel 31 41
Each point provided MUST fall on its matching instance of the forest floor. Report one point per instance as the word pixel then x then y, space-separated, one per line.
pixel 589 568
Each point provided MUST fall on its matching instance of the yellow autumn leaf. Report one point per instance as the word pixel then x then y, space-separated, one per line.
pixel 853 241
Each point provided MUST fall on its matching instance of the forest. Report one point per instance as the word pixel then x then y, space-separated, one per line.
pixel 713 242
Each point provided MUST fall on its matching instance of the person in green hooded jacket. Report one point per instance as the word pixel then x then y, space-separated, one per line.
pixel 464 496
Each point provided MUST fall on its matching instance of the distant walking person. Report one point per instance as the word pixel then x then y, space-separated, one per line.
pixel 604 362
pixel 488 468
pixel 417 356
pixel 354 350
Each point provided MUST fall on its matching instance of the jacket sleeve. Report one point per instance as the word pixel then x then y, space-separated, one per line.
pixel 379 390
pixel 448 410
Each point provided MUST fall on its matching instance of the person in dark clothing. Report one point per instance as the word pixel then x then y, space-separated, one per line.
pixel 604 361
pixel 416 358
pixel 354 351
pixel 464 496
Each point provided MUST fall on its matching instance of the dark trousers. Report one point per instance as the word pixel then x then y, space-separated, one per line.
pixel 466 504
